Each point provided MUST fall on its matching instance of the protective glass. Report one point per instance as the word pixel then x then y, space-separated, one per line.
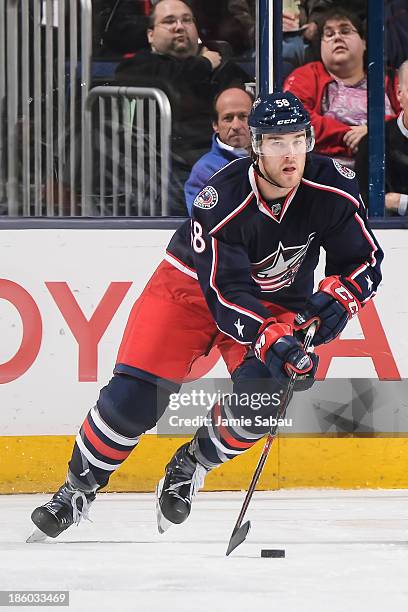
pixel 270 145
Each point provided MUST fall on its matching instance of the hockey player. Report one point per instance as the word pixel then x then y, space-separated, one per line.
pixel 234 276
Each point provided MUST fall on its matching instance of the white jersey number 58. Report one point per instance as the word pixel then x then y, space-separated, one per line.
pixel 197 239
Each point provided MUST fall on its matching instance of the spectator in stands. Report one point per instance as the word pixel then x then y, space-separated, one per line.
pixel 231 139
pixel 396 155
pixel 119 27
pixel 191 75
pixel 232 21
pixel 301 43
pixel 334 90
pixel 396 29
pixel 311 10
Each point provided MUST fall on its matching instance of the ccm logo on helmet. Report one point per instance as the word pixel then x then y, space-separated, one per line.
pixel 285 121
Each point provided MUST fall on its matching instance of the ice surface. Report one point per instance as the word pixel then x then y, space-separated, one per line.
pixel 346 551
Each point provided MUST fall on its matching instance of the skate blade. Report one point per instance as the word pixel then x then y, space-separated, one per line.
pixel 37 536
pixel 163 524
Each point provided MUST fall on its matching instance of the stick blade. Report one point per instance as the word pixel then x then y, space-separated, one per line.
pixel 238 536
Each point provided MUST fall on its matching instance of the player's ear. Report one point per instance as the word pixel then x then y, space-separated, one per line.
pixel 399 93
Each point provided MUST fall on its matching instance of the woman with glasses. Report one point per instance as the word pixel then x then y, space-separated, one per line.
pixel 334 90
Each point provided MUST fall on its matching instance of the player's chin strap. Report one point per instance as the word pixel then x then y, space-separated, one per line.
pixel 261 174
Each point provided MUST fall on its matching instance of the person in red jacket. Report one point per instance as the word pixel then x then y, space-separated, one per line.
pixel 334 90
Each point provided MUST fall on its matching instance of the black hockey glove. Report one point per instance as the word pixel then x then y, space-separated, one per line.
pixel 331 307
pixel 282 354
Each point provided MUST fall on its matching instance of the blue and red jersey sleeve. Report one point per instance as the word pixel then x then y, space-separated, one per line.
pixel 352 250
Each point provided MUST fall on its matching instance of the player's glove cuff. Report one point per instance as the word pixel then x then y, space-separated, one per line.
pixel 269 332
pixel 330 307
pixel 336 287
pixel 282 354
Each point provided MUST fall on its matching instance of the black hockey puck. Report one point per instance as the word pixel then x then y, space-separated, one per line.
pixel 272 552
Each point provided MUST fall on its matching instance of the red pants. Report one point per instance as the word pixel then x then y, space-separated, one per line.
pixel 170 326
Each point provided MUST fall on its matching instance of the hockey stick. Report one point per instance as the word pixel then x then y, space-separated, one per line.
pixel 240 531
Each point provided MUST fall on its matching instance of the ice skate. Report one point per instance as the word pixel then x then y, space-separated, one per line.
pixel 184 477
pixel 66 507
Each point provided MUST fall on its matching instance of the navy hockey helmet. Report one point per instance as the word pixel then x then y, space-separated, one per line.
pixel 278 113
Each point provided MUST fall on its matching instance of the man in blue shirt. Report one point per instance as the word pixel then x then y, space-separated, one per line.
pixel 230 140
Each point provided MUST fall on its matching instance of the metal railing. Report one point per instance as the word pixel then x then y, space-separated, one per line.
pixel 45 59
pixel 127 152
pixel 45 75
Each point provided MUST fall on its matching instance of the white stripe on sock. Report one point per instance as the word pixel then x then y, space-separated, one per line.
pixel 112 435
pixel 99 464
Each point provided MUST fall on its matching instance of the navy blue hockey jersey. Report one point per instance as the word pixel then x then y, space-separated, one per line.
pixel 243 249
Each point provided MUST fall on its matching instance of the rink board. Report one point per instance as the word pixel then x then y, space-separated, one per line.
pixel 38 464
pixel 64 300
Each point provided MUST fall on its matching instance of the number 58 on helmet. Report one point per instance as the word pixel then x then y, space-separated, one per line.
pixel 278 113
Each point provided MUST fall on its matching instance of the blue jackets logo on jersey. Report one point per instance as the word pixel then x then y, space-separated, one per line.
pixel 207 198
pixel 344 171
pixel 279 269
